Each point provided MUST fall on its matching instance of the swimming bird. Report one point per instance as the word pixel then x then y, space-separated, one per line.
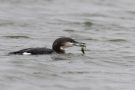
pixel 58 46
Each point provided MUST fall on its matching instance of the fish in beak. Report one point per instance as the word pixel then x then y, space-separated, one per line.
pixel 82 45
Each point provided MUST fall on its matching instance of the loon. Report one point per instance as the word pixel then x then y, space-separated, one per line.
pixel 58 46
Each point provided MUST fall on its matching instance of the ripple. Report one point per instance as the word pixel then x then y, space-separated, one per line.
pixel 69 30
pixel 77 72
pixel 17 37
pixel 88 23
pixel 117 40
pixel 91 39
pixel 13 23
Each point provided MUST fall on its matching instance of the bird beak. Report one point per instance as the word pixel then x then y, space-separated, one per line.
pixel 80 44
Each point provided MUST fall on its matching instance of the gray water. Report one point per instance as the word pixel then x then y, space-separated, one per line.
pixel 107 26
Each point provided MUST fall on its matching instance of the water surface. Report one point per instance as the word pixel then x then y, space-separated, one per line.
pixel 106 26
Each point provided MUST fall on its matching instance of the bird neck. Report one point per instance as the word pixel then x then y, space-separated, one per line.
pixel 57 49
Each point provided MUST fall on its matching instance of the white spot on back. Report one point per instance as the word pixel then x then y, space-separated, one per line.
pixel 26 53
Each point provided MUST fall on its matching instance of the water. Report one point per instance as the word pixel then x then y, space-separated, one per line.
pixel 107 26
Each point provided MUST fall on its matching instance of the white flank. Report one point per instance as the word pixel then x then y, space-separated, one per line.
pixel 26 53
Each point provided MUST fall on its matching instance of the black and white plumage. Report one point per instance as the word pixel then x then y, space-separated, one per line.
pixel 58 46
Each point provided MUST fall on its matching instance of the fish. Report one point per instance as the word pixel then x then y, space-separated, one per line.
pixel 83 49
